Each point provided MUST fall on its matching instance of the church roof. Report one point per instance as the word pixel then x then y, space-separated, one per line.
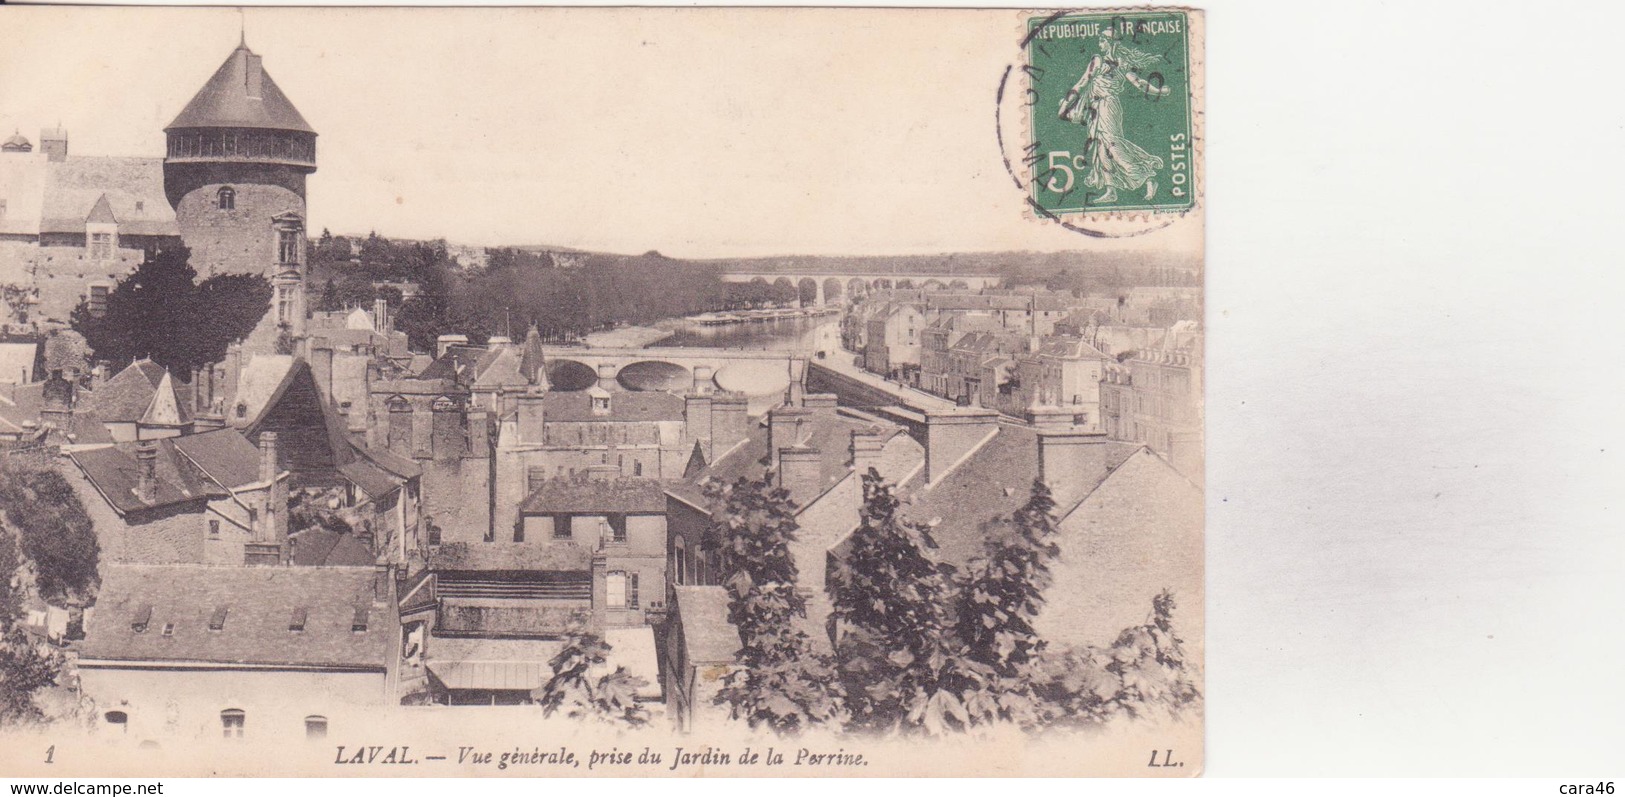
pixel 228 99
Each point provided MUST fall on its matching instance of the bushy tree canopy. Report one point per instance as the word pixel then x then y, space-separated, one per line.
pixel 160 311
pixel 783 683
pixel 55 532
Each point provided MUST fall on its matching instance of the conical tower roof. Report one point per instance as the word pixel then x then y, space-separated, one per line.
pixel 241 94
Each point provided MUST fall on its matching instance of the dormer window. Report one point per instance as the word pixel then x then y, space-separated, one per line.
pixel 226 199
pixel 143 615
pixel 217 622
pixel 296 623
pixel 358 623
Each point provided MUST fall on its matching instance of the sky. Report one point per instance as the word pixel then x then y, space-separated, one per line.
pixel 697 133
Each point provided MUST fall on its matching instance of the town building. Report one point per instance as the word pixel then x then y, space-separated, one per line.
pixel 211 498
pixel 231 188
pixel 892 343
pixel 251 654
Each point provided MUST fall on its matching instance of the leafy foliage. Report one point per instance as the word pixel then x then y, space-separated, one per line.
pixel 160 311
pixel 904 667
pixel 610 698
pixel 1004 589
pixel 55 531
pixel 24 670
pixel 783 684
pixel 1143 673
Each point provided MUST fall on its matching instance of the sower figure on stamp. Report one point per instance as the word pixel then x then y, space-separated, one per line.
pixel 1114 161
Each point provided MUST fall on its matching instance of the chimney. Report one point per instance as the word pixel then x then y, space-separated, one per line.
pixel 703 376
pixel 951 435
pixel 1071 462
pixel 532 430
pixel 321 365
pixel 798 468
pixel 867 448
pixel 253 76
pixel 381 577
pixel 606 375
pixel 820 401
pixel 445 342
pixel 146 470
pixel 786 428
pixel 54 143
pixel 479 435
pixel 798 370
pixel 268 457
pixel 697 420
pixel 728 421
pixel 1052 418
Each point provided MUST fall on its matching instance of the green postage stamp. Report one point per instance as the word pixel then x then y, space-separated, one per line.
pixel 1109 98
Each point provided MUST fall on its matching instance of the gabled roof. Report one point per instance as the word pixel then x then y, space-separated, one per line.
pixel 259 602
pixel 115 472
pixel 992 482
pixel 225 100
pixel 828 431
pixel 223 455
pixel 101 212
pixel 130 395
pixel 605 496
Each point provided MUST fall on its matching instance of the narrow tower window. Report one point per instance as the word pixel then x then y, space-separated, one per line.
pixel 228 198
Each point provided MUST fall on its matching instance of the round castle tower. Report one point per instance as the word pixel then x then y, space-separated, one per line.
pixel 235 173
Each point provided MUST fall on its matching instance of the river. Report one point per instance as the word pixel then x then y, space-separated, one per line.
pixel 791 332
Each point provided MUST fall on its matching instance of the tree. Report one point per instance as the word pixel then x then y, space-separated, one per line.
pixel 610 698
pixel 159 311
pixel 24 669
pixel 1004 588
pixel 782 683
pixel 905 669
pixel 1143 673
pixel 55 532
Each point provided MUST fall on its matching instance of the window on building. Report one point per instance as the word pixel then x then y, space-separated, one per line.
pixel 287 299
pixel 242 410
pixel 561 527
pixel 119 720
pixel 632 590
pixel 679 564
pixel 214 529
pixel 637 468
pixel 226 199
pixel 169 629
pixel 101 245
pixel 140 206
pixel 616 583
pixel 315 727
pixel 519 531
pixel 232 721
pixel 287 247
pixel 617 527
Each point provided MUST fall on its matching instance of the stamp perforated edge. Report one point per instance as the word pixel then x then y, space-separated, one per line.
pixel 1104 223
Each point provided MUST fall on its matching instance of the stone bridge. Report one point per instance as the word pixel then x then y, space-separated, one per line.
pixel 828 286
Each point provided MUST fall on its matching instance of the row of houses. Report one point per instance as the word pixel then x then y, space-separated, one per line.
pixel 224 591
pixel 1048 358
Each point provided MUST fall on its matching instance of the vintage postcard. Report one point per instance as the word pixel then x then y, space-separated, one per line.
pixel 597 392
